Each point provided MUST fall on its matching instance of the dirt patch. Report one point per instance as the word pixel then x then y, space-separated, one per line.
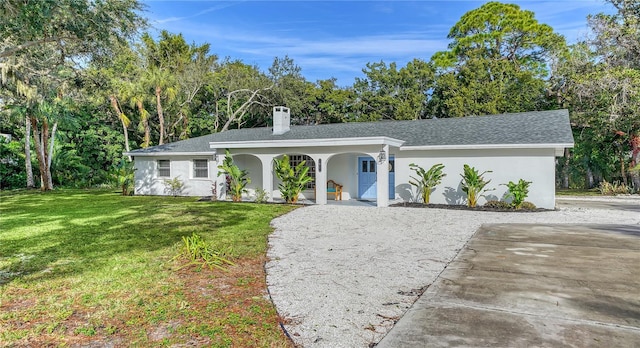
pixel 212 308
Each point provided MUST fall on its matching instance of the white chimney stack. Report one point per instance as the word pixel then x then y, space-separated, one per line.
pixel 281 120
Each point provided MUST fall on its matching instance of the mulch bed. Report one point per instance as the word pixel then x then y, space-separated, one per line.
pixel 464 207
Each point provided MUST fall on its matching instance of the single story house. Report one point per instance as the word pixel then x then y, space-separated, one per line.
pixel 371 159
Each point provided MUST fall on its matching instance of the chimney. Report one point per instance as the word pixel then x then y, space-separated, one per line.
pixel 281 120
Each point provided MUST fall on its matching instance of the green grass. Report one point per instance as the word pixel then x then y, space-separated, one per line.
pixel 578 192
pixel 78 265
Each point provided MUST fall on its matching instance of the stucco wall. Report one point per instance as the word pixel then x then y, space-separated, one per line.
pixel 535 165
pixel 340 164
pixel 147 181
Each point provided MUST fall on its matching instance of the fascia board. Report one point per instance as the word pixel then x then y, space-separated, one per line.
pixel 307 143
pixel 168 153
pixel 487 147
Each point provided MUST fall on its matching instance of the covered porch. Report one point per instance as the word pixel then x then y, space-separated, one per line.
pixel 364 167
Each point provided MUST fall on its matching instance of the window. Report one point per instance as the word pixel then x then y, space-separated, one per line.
pixel 164 168
pixel 200 168
pixel 294 160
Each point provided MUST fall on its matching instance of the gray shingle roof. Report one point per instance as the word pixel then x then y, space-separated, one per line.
pixel 538 127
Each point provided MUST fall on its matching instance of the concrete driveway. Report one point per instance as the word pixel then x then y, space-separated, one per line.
pixel 620 203
pixel 525 285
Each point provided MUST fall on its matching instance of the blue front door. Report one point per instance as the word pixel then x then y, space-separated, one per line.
pixel 367 178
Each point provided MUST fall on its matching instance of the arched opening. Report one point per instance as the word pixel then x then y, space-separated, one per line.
pixel 295 159
pixel 253 166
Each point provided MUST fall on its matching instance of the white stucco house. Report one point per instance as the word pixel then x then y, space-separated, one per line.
pixel 371 159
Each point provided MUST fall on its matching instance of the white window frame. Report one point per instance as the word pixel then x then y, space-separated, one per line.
pixel 161 168
pixel 294 160
pixel 196 168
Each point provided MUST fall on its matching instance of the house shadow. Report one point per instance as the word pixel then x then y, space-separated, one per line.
pixel 406 192
pixel 454 196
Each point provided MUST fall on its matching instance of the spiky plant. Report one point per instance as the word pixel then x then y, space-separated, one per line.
pixel 473 184
pixel 427 180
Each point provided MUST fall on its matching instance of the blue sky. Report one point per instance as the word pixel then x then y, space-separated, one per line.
pixel 337 38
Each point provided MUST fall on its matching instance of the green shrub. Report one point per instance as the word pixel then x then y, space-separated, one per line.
pixel 122 176
pixel 261 195
pixel 12 169
pixel 527 206
pixel 237 179
pixel 497 205
pixel 615 188
pixel 427 180
pixel 294 179
pixel 200 252
pixel 473 184
pixel 518 192
pixel 173 186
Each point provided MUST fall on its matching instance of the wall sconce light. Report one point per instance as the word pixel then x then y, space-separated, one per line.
pixel 382 156
pixel 319 165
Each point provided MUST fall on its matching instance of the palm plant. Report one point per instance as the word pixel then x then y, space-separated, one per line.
pixel 427 180
pixel 294 179
pixel 237 179
pixel 123 176
pixel 473 184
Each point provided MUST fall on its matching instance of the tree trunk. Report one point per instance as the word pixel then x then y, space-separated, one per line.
pixel 160 114
pixel 121 117
pixel 565 169
pixel 41 139
pixel 145 124
pixel 635 160
pixel 52 141
pixel 27 153
pixel 589 180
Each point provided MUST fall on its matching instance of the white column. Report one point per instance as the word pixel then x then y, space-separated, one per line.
pixel 382 177
pixel 267 174
pixel 321 180
pixel 221 180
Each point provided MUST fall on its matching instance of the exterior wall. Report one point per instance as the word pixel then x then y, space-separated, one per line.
pixel 343 169
pixel 340 164
pixel 252 165
pixel 535 165
pixel 147 181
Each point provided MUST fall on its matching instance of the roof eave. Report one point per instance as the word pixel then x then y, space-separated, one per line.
pixel 558 147
pixel 170 153
pixel 307 143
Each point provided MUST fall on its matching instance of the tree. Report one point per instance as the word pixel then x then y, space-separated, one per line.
pixel 87 25
pixel 45 45
pixel 241 94
pixel 391 93
pixel 290 88
pixel 497 62
pixel 599 80
pixel 174 72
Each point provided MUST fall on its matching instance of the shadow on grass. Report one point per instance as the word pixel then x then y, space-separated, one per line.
pixel 54 234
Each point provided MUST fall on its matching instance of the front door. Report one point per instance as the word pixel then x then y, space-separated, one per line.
pixel 367 178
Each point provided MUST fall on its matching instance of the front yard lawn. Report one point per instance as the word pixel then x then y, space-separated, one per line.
pixel 93 268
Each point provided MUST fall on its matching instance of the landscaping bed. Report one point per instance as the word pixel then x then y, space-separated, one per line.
pixel 464 207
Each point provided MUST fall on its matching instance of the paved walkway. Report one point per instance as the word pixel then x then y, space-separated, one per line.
pixel 526 285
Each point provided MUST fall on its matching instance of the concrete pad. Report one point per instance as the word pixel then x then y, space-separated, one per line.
pixel 521 285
